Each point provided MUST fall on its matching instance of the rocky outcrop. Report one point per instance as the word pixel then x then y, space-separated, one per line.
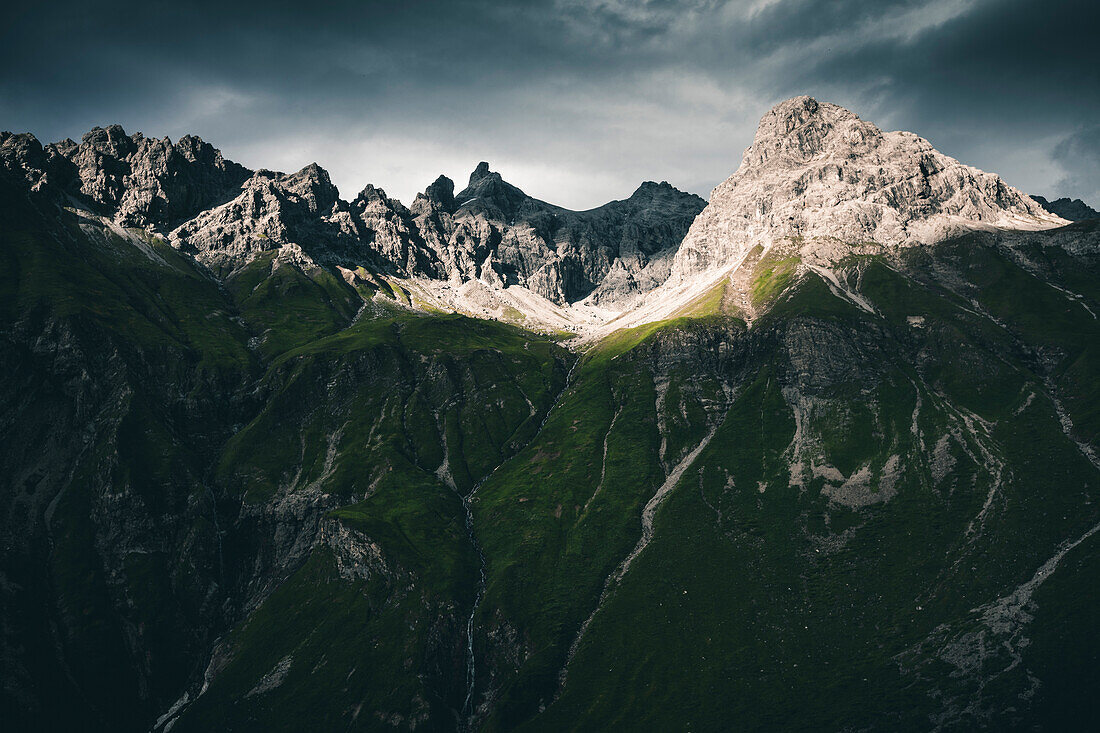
pixel 143 181
pixel 271 210
pixel 131 179
pixel 816 170
pixel 24 159
pixel 1071 209
pixel 407 241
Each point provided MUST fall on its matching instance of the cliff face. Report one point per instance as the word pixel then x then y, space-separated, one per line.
pixel 616 250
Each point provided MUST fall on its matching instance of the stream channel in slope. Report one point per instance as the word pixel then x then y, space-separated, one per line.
pixel 466 715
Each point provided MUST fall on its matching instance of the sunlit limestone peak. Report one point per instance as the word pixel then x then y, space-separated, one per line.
pixel 816 170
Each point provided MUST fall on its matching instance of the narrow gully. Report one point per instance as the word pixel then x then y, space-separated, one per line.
pixel 466 715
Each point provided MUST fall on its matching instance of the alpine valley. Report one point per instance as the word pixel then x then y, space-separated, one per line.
pixel 822 453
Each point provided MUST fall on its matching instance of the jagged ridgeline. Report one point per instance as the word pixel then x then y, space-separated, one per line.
pixel 818 454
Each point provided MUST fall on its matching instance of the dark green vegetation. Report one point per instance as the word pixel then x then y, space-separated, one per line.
pixel 253 489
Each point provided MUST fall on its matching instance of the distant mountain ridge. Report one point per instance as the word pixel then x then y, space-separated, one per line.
pixel 224 215
pixel 1071 209
pixel 816 178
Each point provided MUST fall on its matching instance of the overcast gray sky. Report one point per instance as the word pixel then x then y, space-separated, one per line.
pixel 575 101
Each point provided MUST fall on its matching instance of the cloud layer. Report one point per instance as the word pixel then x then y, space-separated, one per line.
pixel 576 101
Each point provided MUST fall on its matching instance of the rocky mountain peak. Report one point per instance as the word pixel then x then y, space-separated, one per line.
pixel 442 192
pixel 24 158
pixel 132 179
pixel 817 171
pixel 111 140
pixel 371 194
pixel 1067 208
pixel 484 182
pixel 480 172
pixel 314 186
pixel 489 192
pixel 802 127
pixel 651 191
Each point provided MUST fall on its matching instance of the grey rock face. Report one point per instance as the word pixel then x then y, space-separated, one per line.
pixel 134 180
pixel 816 170
pixel 503 236
pixel 225 215
pixel 272 210
pixel 24 159
pixel 142 181
pixel 409 240
pixel 491 231
pixel 1071 209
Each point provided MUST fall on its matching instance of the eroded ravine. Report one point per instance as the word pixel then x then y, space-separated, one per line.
pixel 648 515
pixel 467 714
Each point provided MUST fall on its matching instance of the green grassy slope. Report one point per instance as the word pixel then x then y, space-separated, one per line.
pixel 255 489
pixel 768 599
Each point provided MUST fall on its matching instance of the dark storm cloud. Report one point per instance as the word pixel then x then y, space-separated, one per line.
pixel 576 101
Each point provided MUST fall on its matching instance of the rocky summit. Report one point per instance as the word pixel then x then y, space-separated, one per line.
pixel 817 171
pixel 820 453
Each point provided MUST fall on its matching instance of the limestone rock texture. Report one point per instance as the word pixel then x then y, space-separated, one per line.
pixel 143 181
pixel 271 211
pixel 816 170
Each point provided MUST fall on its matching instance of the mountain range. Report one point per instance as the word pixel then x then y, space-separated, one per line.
pixel 1071 209
pixel 818 453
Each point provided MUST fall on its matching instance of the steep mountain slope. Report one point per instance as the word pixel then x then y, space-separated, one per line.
pixel 256 477
pixel 855 484
pixel 179 448
pixel 819 184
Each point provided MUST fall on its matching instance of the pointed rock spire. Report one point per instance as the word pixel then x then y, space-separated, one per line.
pixel 482 171
pixel 442 192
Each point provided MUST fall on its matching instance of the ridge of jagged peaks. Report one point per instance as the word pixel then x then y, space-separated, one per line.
pixel 1067 208
pixel 135 180
pixel 442 192
pixel 226 215
pixel 817 171
pixel 141 181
